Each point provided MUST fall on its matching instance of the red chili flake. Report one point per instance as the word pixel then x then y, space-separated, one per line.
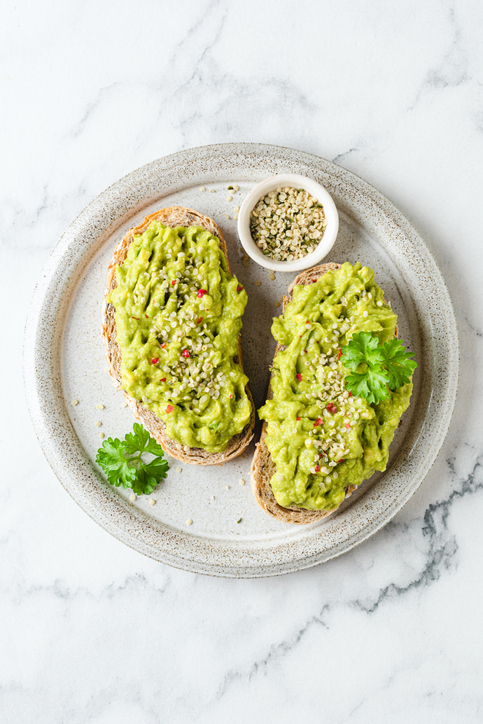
pixel 340 354
pixel 163 379
pixel 146 316
pixel 201 293
pixel 136 318
pixel 317 468
pixel 307 322
pixel 299 376
pixel 239 288
pixel 342 460
pixel 200 319
pixel 347 426
pixel 350 394
pixel 314 280
pixel 298 419
pixel 155 360
pixel 231 396
pixel 163 345
pixel 185 353
pixel 331 408
pixel 318 422
pixel 169 408
pixel 173 282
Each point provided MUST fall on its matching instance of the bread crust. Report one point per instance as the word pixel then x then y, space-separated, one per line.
pixel 263 467
pixel 171 216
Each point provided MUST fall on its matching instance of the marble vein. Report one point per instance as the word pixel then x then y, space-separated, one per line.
pixel 452 70
pixel 276 652
pixel 441 542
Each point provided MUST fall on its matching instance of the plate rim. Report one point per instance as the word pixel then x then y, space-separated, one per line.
pixel 31 380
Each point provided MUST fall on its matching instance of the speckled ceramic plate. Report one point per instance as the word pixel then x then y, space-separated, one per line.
pixel 64 360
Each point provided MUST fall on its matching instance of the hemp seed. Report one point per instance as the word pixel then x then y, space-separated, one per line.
pixel 287 223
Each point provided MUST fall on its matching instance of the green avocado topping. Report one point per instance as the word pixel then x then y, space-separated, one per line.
pixel 178 316
pixel 321 437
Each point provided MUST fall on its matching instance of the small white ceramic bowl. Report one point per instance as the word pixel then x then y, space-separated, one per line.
pixel 299 182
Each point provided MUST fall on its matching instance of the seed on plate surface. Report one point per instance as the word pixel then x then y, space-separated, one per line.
pixel 202 188
pixel 258 283
pixel 152 502
pixel 99 407
pixel 229 198
pixel 271 276
pixel 98 423
pixel 101 435
pixel 179 470
pixel 245 261
pixel 132 497
pixel 74 403
pixel 189 521
pixel 242 482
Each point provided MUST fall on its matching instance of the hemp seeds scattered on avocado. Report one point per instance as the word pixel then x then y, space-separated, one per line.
pixel 178 315
pixel 322 437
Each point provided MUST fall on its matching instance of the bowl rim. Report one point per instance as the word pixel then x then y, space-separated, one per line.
pixel 297 181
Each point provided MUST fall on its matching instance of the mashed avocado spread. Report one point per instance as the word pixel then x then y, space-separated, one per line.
pixel 178 317
pixel 321 438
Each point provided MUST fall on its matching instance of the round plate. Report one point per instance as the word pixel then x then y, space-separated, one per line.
pixel 64 360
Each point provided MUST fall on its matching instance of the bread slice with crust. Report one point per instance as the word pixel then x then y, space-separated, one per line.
pixel 172 216
pixel 263 467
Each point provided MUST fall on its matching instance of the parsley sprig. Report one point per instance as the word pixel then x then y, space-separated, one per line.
pixel 376 368
pixel 122 462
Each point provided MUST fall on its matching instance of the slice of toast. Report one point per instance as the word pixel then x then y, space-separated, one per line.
pixel 172 216
pixel 263 467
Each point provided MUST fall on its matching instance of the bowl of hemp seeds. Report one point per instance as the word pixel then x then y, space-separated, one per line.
pixel 288 223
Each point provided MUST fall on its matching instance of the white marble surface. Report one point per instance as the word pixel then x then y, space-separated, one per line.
pixel 91 631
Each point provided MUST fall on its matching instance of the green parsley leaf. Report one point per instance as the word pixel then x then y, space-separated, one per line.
pixel 132 472
pixel 149 475
pixel 111 459
pixel 376 368
pixel 363 347
pixel 141 441
pixel 398 363
pixel 371 384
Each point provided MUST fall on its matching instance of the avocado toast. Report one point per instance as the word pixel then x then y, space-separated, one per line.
pixel 318 441
pixel 171 323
